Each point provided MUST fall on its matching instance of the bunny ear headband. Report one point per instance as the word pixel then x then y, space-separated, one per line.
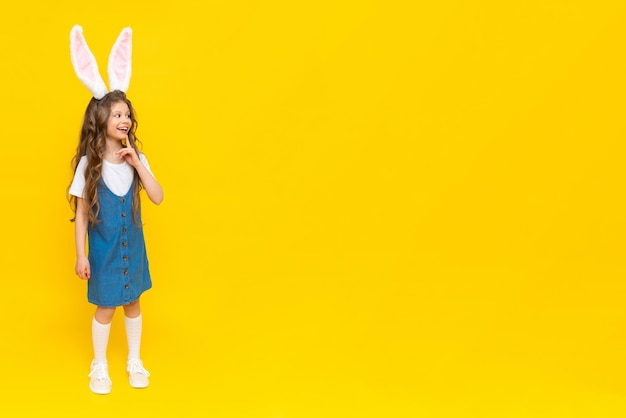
pixel 86 66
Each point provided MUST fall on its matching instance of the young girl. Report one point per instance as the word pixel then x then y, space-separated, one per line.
pixel 105 189
pixel 109 173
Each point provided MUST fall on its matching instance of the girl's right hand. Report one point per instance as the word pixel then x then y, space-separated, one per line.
pixel 83 270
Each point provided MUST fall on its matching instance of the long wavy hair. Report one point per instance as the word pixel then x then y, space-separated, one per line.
pixel 92 143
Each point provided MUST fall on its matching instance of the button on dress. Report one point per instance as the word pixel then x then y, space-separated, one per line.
pixel 117 252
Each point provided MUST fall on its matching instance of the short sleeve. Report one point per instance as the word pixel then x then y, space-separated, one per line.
pixel 78 183
pixel 144 160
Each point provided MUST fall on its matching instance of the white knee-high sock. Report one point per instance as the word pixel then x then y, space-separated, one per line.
pixel 133 335
pixel 100 337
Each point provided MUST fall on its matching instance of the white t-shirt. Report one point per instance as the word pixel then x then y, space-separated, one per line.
pixel 117 177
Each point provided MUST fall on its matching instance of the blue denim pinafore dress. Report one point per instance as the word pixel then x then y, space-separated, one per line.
pixel 117 252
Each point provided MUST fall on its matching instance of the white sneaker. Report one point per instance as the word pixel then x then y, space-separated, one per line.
pixel 99 381
pixel 137 375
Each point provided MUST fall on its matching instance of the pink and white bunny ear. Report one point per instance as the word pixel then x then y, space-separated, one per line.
pixel 120 61
pixel 85 64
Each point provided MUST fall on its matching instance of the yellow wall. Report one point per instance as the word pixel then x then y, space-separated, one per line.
pixel 373 208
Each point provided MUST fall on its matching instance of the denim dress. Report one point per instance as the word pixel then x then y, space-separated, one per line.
pixel 117 252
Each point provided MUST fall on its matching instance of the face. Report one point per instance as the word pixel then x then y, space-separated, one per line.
pixel 119 122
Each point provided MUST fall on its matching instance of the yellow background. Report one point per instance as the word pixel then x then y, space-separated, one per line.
pixel 372 208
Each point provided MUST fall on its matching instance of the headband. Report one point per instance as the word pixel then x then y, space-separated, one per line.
pixel 86 67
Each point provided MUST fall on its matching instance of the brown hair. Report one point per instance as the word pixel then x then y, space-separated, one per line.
pixel 92 144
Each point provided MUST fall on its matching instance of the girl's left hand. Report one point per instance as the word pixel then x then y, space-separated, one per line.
pixel 129 154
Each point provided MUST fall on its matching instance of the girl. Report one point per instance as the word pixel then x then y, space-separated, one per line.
pixel 109 173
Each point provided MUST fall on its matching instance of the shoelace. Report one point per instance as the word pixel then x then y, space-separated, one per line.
pixel 100 371
pixel 136 366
